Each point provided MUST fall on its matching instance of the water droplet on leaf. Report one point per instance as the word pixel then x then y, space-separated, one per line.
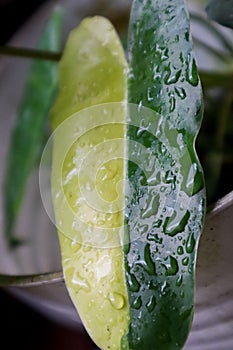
pixel 117 300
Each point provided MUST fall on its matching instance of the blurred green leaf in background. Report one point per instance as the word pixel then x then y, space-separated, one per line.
pixel 28 134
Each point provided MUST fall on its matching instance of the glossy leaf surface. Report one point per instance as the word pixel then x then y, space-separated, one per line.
pixel 170 208
pixel 84 119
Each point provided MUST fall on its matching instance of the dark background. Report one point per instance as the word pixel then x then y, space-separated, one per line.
pixel 21 326
pixel 13 13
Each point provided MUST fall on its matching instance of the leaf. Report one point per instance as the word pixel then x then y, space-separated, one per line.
pixel 164 78
pixel 31 120
pixel 91 91
pixel 129 267
pixel 221 11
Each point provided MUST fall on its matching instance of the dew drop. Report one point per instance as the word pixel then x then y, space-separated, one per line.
pixel 142 229
pixel 155 237
pixel 191 71
pixel 134 286
pixel 182 294
pixel 176 223
pixel 172 76
pixel 117 300
pixel 190 244
pixel 181 92
pixel 150 95
pixel 147 264
pixel 180 250
pixel 164 288
pixel 177 38
pixel 179 280
pixel 171 266
pixel 162 52
pixel 137 303
pixel 157 223
pixel 150 305
pixel 172 102
pixel 152 205
pixel 162 189
pixel 163 148
pixel 169 177
pixel 184 314
pixel 185 261
pixel 81 283
pixel 191 176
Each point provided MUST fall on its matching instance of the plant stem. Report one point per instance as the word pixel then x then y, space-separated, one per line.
pixel 209 79
pixel 29 53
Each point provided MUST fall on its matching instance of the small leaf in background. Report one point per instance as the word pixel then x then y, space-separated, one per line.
pixel 30 125
pixel 221 11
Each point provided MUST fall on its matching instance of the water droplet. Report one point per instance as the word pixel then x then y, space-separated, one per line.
pixel 163 148
pixel 180 141
pixel 177 38
pixel 172 102
pixel 142 229
pixel 180 250
pixel 169 177
pixel 185 261
pixel 191 176
pixel 190 244
pixel 173 163
pixel 154 237
pixel 86 248
pixel 179 280
pixel 147 263
pixel 124 343
pixel 131 74
pixel 137 303
pixel 150 95
pixel 184 314
pixel 75 247
pixel 171 266
pixel 150 285
pixel 164 288
pixel 134 286
pixel 157 223
pixel 152 205
pixel 81 283
pixel 117 300
pixel 176 223
pixel 172 75
pixel 181 57
pixel 181 92
pixel 162 52
pixel 150 305
pixel 191 71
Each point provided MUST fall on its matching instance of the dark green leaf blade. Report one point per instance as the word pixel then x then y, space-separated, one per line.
pixel 163 77
pixel 29 129
pixel 221 11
